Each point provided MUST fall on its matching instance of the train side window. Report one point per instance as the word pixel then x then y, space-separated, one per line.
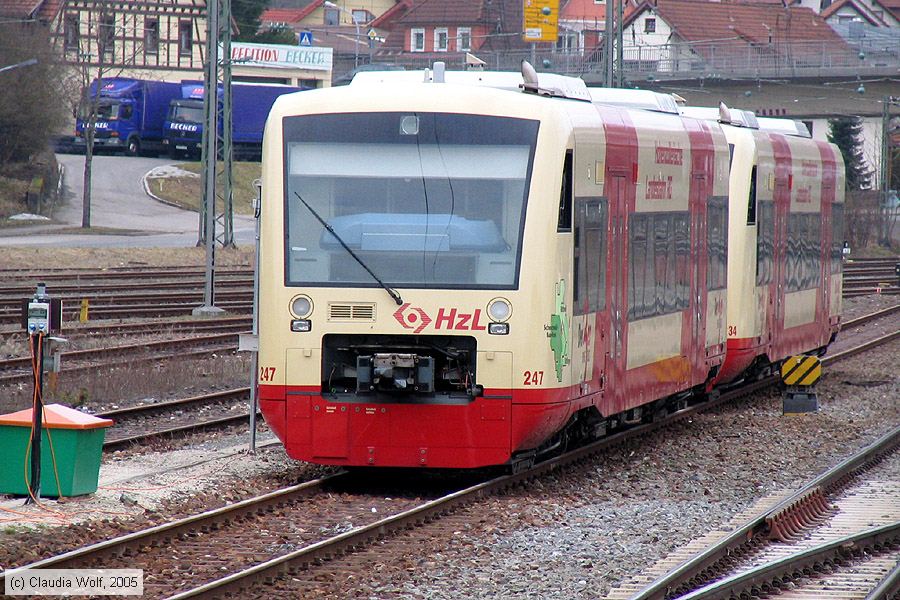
pixel 717 243
pixel 765 233
pixel 751 202
pixel 590 253
pixel 815 246
pixel 564 224
pixel 637 263
pixel 682 260
pixel 661 261
pixel 837 236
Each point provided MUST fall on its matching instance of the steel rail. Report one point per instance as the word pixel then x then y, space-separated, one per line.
pixel 681 575
pixel 116 443
pixel 168 531
pixel 764 575
pixel 132 411
pixel 140 327
pixel 99 353
pixel 137 310
pixel 888 587
pixel 107 288
pixel 871 316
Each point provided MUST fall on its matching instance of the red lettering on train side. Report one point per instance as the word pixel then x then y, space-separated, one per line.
pixel 445 318
pixel 476 322
pixel 463 321
pixel 666 155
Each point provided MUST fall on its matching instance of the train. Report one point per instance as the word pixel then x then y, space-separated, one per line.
pixel 471 269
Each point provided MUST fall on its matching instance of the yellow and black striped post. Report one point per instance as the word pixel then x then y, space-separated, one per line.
pixel 800 374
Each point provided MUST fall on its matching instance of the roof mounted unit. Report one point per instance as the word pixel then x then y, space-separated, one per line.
pixel 785 126
pixel 544 84
pixel 735 117
pixel 641 99
pixel 550 84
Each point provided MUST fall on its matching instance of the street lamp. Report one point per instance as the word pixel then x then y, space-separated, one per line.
pixel 356 23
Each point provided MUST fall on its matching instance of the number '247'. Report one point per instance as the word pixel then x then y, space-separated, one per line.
pixel 534 378
pixel 266 373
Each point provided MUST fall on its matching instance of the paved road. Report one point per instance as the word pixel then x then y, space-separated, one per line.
pixel 118 201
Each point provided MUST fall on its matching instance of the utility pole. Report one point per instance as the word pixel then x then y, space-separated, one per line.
pixel 221 35
pixel 608 45
pixel 208 158
pixel 620 72
pixel 887 162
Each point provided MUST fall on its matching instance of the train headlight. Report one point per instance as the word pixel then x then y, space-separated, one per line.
pixel 499 309
pixel 498 328
pixel 301 307
pixel 301 325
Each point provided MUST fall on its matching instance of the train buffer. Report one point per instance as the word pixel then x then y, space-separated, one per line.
pixel 799 374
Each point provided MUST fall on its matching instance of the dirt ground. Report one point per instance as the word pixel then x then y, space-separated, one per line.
pixel 104 258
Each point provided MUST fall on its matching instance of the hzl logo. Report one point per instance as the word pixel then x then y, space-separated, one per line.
pixel 417 319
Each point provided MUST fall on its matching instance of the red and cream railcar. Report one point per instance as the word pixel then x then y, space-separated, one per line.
pixel 786 194
pixel 458 275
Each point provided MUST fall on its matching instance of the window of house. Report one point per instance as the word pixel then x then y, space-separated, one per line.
pixel 151 35
pixel 440 39
pixel 361 16
pixel 332 17
pixel 568 40
pixel 463 39
pixel 649 25
pixel 71 31
pixel 185 38
pixel 107 37
pixel 417 40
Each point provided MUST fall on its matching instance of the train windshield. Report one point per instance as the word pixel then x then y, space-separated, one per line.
pixel 423 199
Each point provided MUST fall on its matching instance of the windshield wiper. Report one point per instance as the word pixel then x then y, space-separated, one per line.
pixel 330 229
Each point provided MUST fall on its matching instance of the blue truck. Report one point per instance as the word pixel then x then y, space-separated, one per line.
pixel 250 106
pixel 130 114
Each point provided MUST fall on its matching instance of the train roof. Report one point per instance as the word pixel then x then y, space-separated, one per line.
pixel 641 99
pixel 544 84
pixel 745 118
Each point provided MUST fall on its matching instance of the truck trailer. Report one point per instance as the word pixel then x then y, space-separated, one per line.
pixel 250 106
pixel 130 114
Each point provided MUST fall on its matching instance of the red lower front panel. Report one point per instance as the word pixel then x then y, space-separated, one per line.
pixel 481 433
pixel 739 355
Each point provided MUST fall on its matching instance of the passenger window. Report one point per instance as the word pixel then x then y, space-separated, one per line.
pixel 590 255
pixel 751 202
pixel 125 111
pixel 564 223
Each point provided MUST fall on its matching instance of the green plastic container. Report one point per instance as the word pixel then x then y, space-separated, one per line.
pixel 77 445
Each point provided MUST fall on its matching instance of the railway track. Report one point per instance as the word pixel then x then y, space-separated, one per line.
pixel 18 370
pixel 137 424
pixel 220 324
pixel 31 277
pixel 292 530
pixel 834 521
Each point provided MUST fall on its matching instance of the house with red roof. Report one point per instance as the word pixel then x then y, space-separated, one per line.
pixel 432 30
pixel 874 13
pixel 728 39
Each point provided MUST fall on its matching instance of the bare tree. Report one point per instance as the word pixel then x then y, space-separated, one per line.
pixel 98 41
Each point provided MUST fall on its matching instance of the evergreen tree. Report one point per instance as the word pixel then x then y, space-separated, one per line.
pixel 276 35
pixel 846 134
pixel 246 14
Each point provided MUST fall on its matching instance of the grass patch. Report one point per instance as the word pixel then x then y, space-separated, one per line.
pixel 12 197
pixel 186 191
